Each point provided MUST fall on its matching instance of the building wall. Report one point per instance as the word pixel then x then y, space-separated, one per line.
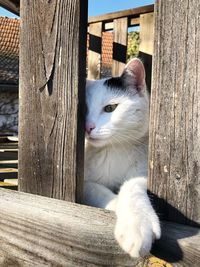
pixel 9 103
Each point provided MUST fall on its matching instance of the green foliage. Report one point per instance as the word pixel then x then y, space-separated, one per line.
pixel 133 45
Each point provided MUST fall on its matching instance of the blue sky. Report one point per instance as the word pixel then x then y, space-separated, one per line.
pixel 97 7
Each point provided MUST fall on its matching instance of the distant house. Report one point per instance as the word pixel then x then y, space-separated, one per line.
pixel 9 75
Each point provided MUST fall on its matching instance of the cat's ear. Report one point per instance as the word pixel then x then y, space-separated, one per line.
pixel 134 73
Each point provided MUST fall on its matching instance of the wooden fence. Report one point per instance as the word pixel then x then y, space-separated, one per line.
pixel 36 230
pixel 119 22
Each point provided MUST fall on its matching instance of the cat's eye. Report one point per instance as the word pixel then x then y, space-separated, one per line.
pixel 110 108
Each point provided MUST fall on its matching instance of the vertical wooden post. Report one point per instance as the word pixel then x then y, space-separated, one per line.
pixel 174 155
pixel 147 33
pixel 52 81
pixel 146 44
pixel 94 53
pixel 119 45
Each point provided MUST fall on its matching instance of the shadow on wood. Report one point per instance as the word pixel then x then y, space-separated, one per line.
pixel 182 240
pixel 179 245
pixel 147 61
pixel 95 43
pixel 119 52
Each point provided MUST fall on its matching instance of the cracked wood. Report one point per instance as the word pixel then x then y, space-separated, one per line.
pixel 175 111
pixel 52 81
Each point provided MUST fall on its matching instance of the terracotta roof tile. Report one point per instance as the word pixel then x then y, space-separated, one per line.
pixel 9 50
pixel 107 47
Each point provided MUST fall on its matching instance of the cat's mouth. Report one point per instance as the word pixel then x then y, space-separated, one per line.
pixel 96 141
pixel 97 138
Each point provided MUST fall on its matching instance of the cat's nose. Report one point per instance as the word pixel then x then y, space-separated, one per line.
pixel 89 127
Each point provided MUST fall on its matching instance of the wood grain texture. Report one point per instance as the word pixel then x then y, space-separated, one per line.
pixel 174 167
pixel 52 81
pixel 146 33
pixel 39 231
pixel 94 53
pixel 119 45
pixel 11 5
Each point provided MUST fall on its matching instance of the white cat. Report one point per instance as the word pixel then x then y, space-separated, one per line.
pixel 116 156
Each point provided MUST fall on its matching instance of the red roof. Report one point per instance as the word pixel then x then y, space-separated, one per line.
pixel 9 50
pixel 107 47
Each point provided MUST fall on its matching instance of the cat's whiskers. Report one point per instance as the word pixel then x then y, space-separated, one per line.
pixel 122 147
pixel 130 144
pixel 131 124
pixel 130 137
pixel 126 126
pixel 121 137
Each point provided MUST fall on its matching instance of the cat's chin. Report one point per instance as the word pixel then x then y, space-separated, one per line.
pixel 97 142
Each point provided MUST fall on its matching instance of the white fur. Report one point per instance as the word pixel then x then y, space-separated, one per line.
pixel 116 163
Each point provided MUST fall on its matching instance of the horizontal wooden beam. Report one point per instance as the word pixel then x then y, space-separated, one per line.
pixel 39 231
pixel 8 161
pixel 132 22
pixel 8 170
pixel 133 12
pixel 35 231
pixel 7 184
pixel 11 5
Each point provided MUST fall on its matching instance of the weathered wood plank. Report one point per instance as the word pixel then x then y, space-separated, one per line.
pixel 9 149
pixel 119 45
pixel 94 53
pixel 52 81
pixel 39 231
pixel 11 5
pixel 12 147
pixel 11 181
pixel 121 14
pixel 175 111
pixel 146 44
pixel 7 184
pixel 8 162
pixel 4 170
pixel 146 33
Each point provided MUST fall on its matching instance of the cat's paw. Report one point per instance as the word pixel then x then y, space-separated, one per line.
pixel 135 233
pixel 111 205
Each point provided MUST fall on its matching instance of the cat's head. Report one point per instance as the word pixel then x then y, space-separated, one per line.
pixel 118 107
